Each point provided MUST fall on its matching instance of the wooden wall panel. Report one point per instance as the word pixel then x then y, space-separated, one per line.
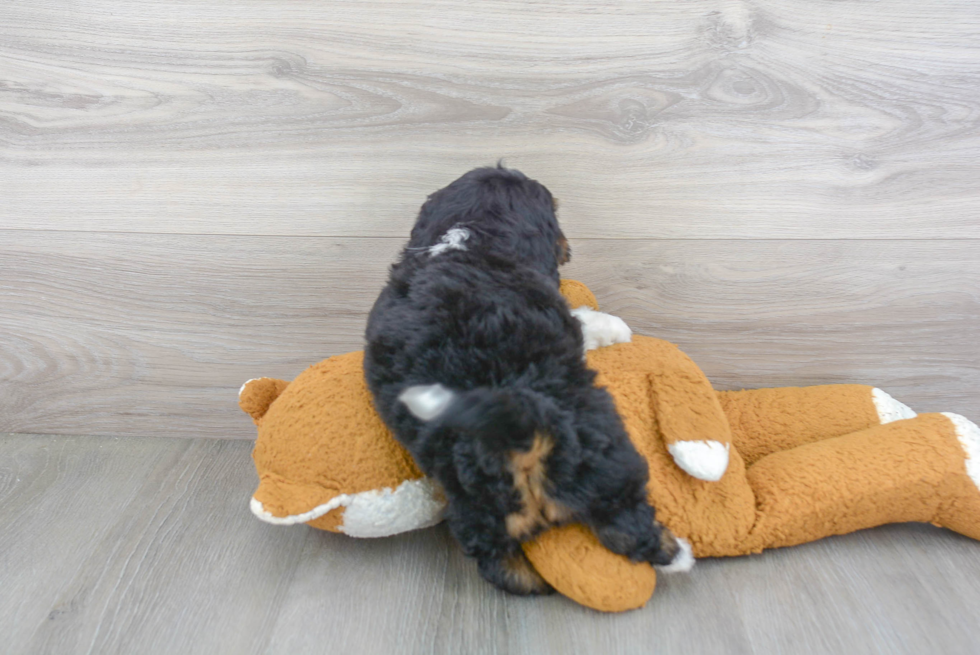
pixel 153 334
pixel 703 119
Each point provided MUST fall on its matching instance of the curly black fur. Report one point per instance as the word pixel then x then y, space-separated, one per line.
pixel 488 323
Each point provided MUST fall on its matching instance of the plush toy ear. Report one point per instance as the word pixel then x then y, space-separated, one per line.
pixel 256 395
pixel 427 402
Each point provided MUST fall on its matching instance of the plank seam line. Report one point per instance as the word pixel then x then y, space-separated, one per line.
pixel 404 238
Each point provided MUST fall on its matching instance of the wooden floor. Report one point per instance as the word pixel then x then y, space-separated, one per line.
pixel 193 194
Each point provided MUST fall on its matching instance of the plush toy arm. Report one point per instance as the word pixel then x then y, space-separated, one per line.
pixel 697 435
pixel 690 417
pixel 573 561
pixel 578 295
pixel 598 328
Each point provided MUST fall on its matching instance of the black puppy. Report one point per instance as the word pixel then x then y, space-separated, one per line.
pixel 476 364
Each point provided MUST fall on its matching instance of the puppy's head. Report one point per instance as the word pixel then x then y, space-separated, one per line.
pixel 511 214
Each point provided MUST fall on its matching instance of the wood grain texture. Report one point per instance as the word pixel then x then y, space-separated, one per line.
pixel 153 334
pixel 702 119
pixel 117 545
pixel 138 545
pixel 904 316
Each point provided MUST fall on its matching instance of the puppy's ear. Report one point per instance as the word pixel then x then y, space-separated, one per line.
pixel 427 402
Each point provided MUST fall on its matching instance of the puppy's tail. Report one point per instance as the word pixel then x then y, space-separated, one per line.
pixel 502 419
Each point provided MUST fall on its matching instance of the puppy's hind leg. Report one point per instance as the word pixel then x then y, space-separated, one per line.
pixel 624 522
pixel 635 534
pixel 514 574
pixel 499 556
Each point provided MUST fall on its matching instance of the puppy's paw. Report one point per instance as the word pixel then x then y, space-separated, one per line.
pixel 600 329
pixel 682 560
pixel 673 555
pixel 515 575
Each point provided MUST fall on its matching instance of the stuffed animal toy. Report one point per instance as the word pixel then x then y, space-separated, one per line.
pixel 732 472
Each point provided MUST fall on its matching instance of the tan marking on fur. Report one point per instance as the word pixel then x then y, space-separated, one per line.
pixel 563 251
pixel 521 576
pixel 530 481
pixel 556 514
pixel 668 542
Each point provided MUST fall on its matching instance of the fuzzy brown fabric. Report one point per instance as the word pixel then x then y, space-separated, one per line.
pixel 322 438
pixel 804 463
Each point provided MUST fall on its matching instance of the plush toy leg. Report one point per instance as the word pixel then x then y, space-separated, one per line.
pixel 765 421
pixel 922 469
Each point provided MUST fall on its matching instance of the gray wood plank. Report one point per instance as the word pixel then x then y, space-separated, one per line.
pixel 142 545
pixel 872 586
pixel 423 596
pixel 59 499
pixel 136 545
pixel 711 119
pixel 154 334
pixel 148 335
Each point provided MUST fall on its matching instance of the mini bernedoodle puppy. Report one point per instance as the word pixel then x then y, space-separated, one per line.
pixel 477 365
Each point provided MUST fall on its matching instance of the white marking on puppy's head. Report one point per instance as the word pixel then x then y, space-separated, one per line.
pixel 452 240
pixel 427 402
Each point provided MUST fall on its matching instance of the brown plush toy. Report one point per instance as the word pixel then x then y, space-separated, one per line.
pixel 733 472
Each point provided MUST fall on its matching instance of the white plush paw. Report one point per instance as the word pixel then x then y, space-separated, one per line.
pixel 889 409
pixel 968 434
pixel 683 561
pixel 704 460
pixel 600 329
